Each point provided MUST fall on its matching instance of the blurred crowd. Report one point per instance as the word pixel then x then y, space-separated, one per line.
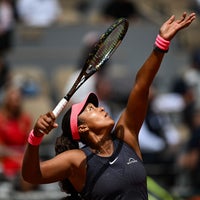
pixel 170 134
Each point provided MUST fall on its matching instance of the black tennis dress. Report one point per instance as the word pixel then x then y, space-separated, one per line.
pixel 119 177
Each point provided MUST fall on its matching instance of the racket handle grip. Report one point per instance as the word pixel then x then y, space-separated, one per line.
pixel 60 106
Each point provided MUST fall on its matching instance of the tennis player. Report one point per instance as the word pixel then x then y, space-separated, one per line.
pixel 110 164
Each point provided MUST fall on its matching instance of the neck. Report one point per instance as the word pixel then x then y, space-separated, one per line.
pixel 105 148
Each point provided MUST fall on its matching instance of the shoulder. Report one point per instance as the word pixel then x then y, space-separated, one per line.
pixel 74 157
pixel 124 133
pixel 66 162
pixel 73 152
pixel 77 152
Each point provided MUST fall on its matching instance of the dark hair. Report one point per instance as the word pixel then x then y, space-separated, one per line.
pixel 63 143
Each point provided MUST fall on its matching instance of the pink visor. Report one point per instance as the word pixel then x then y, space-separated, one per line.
pixel 76 110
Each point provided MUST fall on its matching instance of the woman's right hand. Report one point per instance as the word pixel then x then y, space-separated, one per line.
pixel 45 124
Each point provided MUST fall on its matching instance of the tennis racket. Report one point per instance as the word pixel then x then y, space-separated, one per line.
pixel 101 52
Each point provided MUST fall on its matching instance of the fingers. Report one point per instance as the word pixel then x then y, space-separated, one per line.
pixel 51 115
pixel 183 17
pixel 186 20
pixel 191 17
pixel 169 29
pixel 171 19
pixel 45 124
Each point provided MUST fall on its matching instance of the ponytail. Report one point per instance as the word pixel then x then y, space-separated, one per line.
pixel 63 143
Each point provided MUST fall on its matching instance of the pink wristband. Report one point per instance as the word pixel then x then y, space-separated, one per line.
pixel 33 140
pixel 162 44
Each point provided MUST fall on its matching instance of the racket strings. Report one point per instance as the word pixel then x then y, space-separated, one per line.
pixel 102 51
pixel 108 46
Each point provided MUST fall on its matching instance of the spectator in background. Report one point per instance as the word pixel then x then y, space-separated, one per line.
pixel 5 76
pixel 187 92
pixel 159 138
pixel 152 139
pixel 188 162
pixel 187 85
pixel 191 75
pixel 115 9
pixel 14 126
pixel 37 13
pixel 7 20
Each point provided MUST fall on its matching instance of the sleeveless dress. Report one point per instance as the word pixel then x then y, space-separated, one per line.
pixel 121 176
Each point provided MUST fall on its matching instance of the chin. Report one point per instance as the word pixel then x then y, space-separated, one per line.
pixel 112 125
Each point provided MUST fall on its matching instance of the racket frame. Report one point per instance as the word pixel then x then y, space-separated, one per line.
pixel 88 70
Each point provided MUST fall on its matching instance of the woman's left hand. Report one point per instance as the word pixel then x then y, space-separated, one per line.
pixel 169 29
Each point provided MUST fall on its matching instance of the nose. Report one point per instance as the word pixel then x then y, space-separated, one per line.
pixel 101 108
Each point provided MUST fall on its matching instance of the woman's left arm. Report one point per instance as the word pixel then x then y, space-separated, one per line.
pixel 135 111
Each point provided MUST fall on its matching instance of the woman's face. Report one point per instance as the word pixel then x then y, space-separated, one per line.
pixel 96 118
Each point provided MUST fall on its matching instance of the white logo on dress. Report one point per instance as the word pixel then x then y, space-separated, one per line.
pixel 112 162
pixel 131 160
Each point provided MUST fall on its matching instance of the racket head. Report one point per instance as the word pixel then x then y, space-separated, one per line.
pixel 107 44
pixel 101 52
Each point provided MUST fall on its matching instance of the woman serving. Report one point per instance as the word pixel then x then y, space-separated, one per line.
pixel 109 166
